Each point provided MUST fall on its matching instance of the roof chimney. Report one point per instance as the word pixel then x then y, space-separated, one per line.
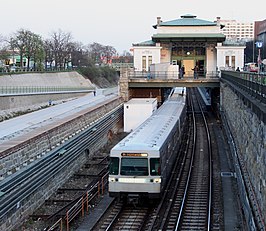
pixel 218 21
pixel 159 21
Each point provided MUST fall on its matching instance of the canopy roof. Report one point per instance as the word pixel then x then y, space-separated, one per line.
pixel 216 37
pixel 187 20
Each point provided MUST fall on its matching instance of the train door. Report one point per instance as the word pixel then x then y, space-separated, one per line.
pixel 189 65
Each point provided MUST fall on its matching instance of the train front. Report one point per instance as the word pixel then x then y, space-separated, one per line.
pixel 134 175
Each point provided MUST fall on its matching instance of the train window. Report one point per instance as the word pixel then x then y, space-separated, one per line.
pixel 155 167
pixel 134 167
pixel 114 166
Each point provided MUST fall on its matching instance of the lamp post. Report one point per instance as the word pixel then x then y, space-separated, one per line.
pixel 259 45
pixel 253 53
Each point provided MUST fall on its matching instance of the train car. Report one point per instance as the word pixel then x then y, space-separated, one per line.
pixel 141 163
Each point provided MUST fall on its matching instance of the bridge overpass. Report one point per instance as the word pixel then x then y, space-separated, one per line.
pixel 166 83
pixel 135 84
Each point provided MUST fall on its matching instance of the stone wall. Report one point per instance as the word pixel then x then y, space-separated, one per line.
pixel 28 206
pixel 42 140
pixel 249 134
pixel 40 145
pixel 123 84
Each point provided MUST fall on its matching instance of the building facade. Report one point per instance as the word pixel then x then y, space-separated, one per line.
pixel 188 42
pixel 234 30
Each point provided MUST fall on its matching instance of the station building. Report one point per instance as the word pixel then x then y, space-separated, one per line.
pixel 189 42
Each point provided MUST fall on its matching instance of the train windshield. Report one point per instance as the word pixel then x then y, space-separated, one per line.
pixel 134 167
pixel 114 165
pixel 155 167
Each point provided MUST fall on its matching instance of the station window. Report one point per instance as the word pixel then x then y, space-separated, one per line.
pixel 227 61
pixel 155 167
pixel 114 166
pixel 144 65
pixel 134 166
pixel 233 61
pixel 149 60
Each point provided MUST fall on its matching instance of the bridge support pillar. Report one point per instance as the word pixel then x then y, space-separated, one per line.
pixel 123 84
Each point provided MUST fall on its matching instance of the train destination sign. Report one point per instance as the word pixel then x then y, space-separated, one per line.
pixel 134 154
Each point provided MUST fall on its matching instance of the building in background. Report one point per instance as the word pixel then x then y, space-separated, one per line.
pixel 234 30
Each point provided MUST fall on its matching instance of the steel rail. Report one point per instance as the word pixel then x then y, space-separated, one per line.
pixel 178 223
pixel 81 142
pixel 40 180
pixel 210 169
pixel 10 184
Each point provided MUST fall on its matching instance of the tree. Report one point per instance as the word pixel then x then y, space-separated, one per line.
pixel 39 54
pixel 48 53
pixel 95 51
pixel 100 54
pixel 4 54
pixel 78 55
pixel 28 44
pixel 34 49
pixel 18 42
pixel 108 53
pixel 60 45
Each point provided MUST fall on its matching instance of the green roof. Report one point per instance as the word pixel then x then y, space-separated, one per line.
pixel 145 43
pixel 188 20
pixel 218 37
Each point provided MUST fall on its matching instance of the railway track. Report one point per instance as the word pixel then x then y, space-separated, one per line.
pixel 23 184
pixel 83 181
pixel 125 217
pixel 186 202
pixel 195 211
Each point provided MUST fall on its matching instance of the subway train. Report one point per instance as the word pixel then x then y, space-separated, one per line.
pixel 141 163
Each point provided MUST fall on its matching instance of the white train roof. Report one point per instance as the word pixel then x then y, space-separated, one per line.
pixel 151 134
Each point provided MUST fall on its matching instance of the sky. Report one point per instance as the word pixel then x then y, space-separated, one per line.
pixel 116 23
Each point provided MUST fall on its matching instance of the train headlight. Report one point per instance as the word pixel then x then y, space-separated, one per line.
pixel 157 180
pixel 112 179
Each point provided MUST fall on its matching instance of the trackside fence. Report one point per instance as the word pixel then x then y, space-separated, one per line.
pixel 82 205
pixel 57 225
pixel 10 90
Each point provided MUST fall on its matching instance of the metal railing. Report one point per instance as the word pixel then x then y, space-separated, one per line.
pixel 163 75
pixel 6 90
pixel 119 66
pixel 83 203
pixel 252 83
pixel 9 71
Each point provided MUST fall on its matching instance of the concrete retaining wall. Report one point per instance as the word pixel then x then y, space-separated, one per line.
pixel 21 103
pixel 13 101
pixel 249 134
pixel 60 79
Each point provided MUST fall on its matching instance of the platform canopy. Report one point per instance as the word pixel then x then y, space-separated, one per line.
pixel 188 28
pixel 176 37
